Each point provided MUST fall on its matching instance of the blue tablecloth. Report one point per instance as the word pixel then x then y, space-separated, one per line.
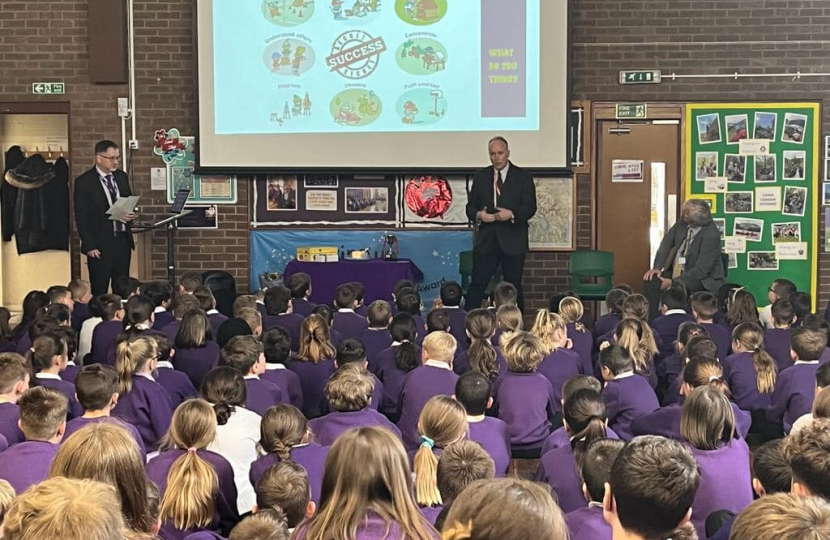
pixel 377 275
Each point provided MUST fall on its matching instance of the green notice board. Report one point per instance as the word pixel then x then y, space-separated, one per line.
pixel 758 164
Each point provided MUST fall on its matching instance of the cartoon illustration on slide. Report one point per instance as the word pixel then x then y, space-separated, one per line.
pixel 421 56
pixel 421 12
pixel 289 57
pixel 422 106
pixel 355 11
pixel 296 106
pixel 355 107
pixel 287 12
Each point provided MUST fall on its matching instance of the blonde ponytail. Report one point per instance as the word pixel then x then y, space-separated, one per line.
pixel 765 371
pixel 426 473
pixel 546 326
pixel 189 499
pixel 571 310
pixel 130 358
pixel 443 421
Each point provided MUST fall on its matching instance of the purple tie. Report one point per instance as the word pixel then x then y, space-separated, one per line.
pixel 114 196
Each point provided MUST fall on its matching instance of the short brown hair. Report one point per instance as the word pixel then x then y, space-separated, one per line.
pixel 42 410
pixel 79 287
pixel 704 304
pixel 379 313
pixel 13 369
pixel 252 317
pixel 190 280
pixel 808 453
pixel 184 303
pixel 241 352
pixel 785 517
pixel 808 343
pixel 243 301
pixel 580 382
pixel 94 386
pixel 440 346
pixel 523 352
pixel 349 389
pixel 479 512
pixel 461 464
pixel 266 525
pixel 285 486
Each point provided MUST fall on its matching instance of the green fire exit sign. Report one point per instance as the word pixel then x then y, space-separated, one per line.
pixel 648 76
pixel 48 88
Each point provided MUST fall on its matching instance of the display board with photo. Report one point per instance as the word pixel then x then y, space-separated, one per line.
pixel 771 199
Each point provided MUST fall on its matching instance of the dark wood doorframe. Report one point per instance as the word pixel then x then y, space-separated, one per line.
pixel 603 111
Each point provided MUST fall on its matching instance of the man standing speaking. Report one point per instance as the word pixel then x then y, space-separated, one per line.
pixel 501 201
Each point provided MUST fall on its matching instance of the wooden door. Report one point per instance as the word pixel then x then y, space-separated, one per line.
pixel 625 209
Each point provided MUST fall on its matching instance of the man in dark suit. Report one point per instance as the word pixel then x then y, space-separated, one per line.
pixel 107 244
pixel 501 202
pixel 690 253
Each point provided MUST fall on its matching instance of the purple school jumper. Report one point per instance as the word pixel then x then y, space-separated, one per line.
pixel 70 372
pixel 225 515
pixel 375 340
pixel 48 380
pixel 557 468
pixel 421 384
pixel 626 398
pixel 170 330
pixel 372 527
pixel 777 344
pixel 4 443
pixel 825 356
pixel 525 402
pixel 327 428
pixel 161 319
pixel 178 385
pixel 348 323
pixel 558 367
pixel 216 319
pixel 665 422
pixel 26 464
pixel 9 415
pixel 300 306
pixel 722 337
pixel 24 344
pixel 103 339
pixel 560 438
pixel 458 326
pixel 430 513
pixel 725 481
pixel 794 393
pixel 262 394
pixel 392 377
pixel 313 378
pixel 260 306
pixel 287 380
pixel 77 423
pixel 204 535
pixel 362 310
pixel 147 407
pixel 583 345
pixel 195 362
pixel 311 457
pixel 588 523
pixel 666 327
pixel 606 323
pixel 291 322
pixel 80 313
pixel 494 436
pixel 739 373
pixel 461 363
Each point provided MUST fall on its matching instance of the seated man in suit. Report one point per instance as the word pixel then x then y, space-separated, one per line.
pixel 689 253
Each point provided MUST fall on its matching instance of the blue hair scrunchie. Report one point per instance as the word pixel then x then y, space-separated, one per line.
pixel 426 441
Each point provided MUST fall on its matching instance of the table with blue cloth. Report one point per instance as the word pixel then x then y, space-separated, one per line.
pixel 377 275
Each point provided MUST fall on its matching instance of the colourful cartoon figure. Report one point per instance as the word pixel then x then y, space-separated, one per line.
pixel 286 112
pixel 337 9
pixel 275 61
pixel 306 105
pixel 298 59
pixel 409 7
pixel 273 10
pixel 366 104
pixel 286 53
pixel 358 9
pixel 410 110
pixel 297 109
pixel 345 114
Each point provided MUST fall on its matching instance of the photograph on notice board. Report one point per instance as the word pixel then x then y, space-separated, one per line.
pixel 825 192
pixel 751 229
pixel 200 217
pixel 367 200
pixel 739 202
pixel 734 168
pixel 708 128
pixel 827 170
pixel 795 126
pixel 762 260
pixel 706 165
pixel 720 223
pixel 765 167
pixel 282 193
pixel 765 123
pixel 794 161
pixel 795 201
pixel 784 233
pixel 733 260
pixel 736 128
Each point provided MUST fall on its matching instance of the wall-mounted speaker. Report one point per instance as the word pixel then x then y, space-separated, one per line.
pixel 108 41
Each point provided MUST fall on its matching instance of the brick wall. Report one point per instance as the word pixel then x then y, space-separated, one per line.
pixel 47 40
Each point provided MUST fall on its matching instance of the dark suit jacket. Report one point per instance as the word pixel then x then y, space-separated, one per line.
pixel 703 259
pixel 91 207
pixel 518 195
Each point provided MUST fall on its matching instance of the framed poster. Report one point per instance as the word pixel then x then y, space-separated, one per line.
pixel 208 189
pixel 553 228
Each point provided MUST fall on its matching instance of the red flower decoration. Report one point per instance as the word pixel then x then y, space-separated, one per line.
pixel 428 196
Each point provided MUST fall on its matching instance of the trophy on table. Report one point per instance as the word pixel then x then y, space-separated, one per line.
pixel 391 248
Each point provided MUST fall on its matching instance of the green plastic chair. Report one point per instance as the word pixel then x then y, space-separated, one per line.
pixel 465 268
pixel 595 266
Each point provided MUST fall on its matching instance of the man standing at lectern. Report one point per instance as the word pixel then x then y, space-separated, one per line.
pixel 501 202
pixel 106 244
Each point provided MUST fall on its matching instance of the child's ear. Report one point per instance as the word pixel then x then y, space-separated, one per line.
pixel 793 355
pixel 254 509
pixel 114 399
pixel 585 492
pixel 310 509
pixel 489 402
pixel 687 518
pixel 758 488
pixel 799 490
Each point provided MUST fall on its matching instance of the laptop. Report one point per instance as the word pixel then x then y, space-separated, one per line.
pixel 177 209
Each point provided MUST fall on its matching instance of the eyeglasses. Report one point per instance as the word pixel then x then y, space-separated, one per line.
pixel 110 158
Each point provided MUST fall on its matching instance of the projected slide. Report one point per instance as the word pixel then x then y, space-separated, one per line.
pixel 364 66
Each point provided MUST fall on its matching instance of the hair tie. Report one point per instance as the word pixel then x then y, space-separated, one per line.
pixel 191 450
pixel 32 349
pixel 714 378
pixel 426 441
pixel 404 341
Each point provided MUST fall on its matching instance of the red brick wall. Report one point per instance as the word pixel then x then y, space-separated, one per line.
pixel 47 40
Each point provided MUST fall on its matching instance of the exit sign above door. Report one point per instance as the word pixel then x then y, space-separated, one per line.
pixel 631 110
pixel 48 88
pixel 647 76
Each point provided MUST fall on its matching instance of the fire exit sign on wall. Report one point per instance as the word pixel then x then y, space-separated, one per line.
pixel 647 76
pixel 48 88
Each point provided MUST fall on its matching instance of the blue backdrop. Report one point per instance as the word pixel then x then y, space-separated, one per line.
pixel 434 252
